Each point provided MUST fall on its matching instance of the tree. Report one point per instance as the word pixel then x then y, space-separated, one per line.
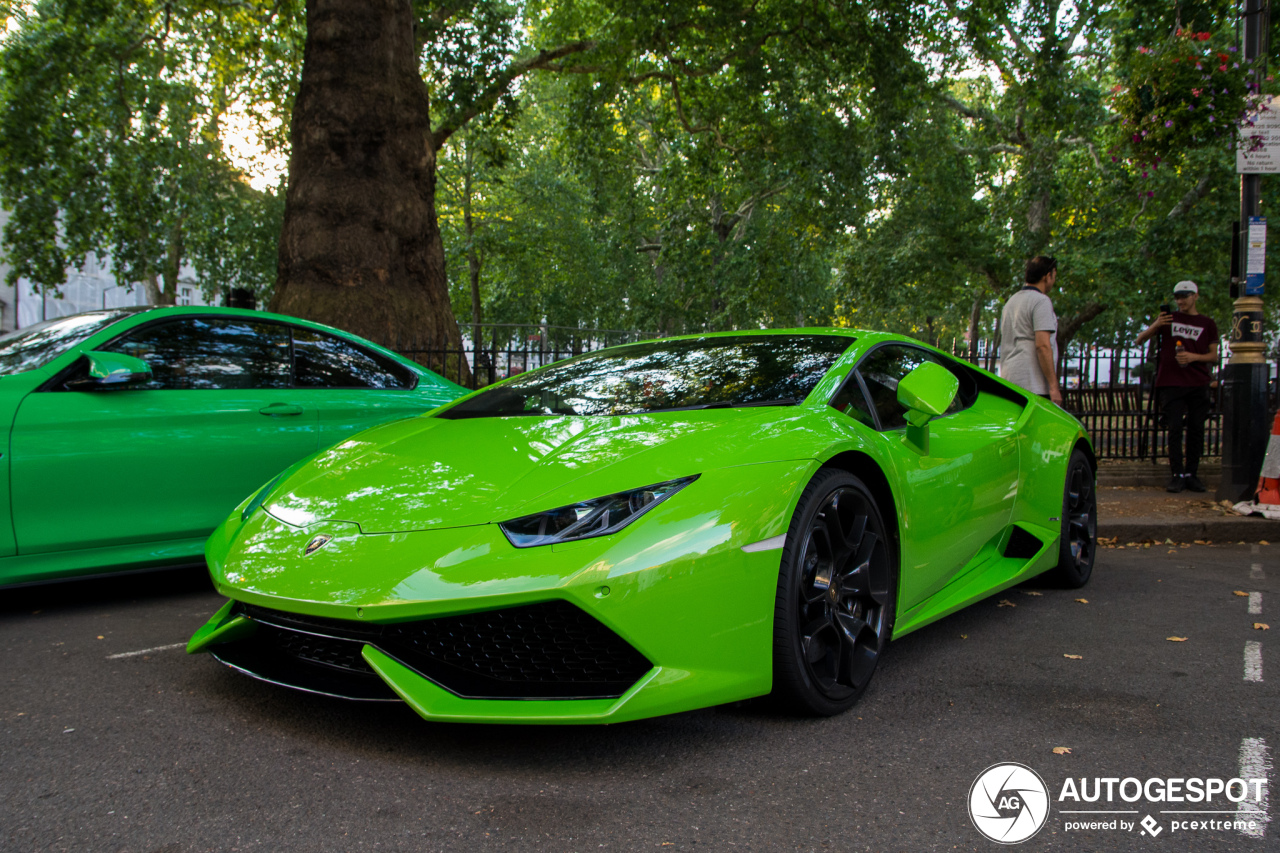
pixel 110 126
pixel 361 243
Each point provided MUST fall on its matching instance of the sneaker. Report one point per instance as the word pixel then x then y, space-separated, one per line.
pixel 1193 483
pixel 1177 484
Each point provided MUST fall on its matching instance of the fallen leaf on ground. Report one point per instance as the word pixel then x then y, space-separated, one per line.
pixel 1062 750
pixel 1240 593
pixel 1004 602
pixel 964 636
pixel 1074 657
pixel 1083 600
pixel 1176 639
pixel 1263 542
pixel 1168 542
pixel 1261 626
pixel 1030 592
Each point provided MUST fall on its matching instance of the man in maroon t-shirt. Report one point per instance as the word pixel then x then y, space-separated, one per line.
pixel 1188 354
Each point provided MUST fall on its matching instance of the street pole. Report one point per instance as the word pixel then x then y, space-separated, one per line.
pixel 1244 377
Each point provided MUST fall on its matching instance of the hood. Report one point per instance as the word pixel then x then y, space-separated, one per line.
pixel 432 473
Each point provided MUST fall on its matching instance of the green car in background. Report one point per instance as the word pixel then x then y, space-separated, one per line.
pixel 130 433
pixel 654 528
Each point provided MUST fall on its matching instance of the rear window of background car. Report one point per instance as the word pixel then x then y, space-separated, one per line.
pixel 326 361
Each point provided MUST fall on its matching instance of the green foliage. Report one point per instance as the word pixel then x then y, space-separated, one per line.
pixel 110 128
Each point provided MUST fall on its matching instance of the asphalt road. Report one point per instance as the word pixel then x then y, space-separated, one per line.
pixel 165 752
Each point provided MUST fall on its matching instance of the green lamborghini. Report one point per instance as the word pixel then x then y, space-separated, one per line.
pixel 654 528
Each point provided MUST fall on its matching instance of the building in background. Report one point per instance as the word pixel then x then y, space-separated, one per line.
pixel 93 287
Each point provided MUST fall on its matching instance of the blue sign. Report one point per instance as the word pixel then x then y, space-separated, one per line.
pixel 1256 257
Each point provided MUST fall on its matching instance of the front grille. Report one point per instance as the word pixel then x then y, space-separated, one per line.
pixel 551 650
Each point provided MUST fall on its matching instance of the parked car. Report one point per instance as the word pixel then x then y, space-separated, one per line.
pixel 130 433
pixel 653 528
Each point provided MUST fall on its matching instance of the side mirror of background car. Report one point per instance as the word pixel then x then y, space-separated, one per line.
pixel 926 392
pixel 111 370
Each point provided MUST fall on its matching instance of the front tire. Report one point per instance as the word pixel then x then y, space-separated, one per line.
pixel 835 603
pixel 1078 544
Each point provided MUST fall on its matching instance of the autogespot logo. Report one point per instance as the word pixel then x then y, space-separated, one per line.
pixel 1008 803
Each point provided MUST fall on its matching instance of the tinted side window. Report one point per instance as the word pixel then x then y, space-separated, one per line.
pixel 851 401
pixel 208 353
pixel 325 361
pixel 885 367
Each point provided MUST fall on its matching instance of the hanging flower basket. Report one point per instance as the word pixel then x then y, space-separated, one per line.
pixel 1184 93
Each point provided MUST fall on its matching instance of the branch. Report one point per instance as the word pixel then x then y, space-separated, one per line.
pixel 1199 191
pixel 684 121
pixel 978 115
pixel 1018 43
pixel 502 83
pixel 1068 330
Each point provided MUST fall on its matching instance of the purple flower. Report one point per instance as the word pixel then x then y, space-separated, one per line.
pixel 1231 50
pixel 1151 194
pixel 1210 118
pixel 1166 124
pixel 1144 174
pixel 1113 159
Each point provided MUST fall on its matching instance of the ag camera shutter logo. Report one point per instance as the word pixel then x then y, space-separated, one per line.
pixel 1009 803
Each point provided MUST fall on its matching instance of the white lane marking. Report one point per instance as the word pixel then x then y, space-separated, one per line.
pixel 147 651
pixel 1255 572
pixel 1253 661
pixel 771 544
pixel 1254 765
pixel 1255 604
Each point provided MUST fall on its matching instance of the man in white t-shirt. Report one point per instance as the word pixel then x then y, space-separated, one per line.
pixel 1029 332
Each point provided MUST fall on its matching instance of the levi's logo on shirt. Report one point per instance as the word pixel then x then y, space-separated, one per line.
pixel 1183 330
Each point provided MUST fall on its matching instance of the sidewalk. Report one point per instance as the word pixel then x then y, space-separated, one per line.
pixel 1133 508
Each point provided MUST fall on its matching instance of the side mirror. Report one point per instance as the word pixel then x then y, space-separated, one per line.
pixel 926 392
pixel 112 370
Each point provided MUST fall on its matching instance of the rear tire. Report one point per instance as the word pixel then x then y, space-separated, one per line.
pixel 1078 544
pixel 834 610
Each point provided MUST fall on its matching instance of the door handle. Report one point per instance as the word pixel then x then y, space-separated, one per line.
pixel 276 409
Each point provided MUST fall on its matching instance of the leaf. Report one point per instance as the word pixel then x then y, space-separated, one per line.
pixel 1261 626
pixel 1074 657
pixel 1062 750
pixel 1004 602
pixel 964 636
pixel 1263 542
pixel 1241 593
pixel 1176 639
pixel 1030 592
pixel 1083 600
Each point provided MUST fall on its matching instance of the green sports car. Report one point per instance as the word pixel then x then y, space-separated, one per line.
pixel 130 433
pixel 654 528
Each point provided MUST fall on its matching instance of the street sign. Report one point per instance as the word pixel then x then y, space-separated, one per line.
pixel 1258 147
pixel 1256 262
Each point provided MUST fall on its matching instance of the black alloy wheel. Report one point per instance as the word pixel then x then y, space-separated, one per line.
pixel 1079 543
pixel 835 603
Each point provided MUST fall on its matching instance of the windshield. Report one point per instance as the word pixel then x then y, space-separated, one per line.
pixel 35 346
pixel 701 373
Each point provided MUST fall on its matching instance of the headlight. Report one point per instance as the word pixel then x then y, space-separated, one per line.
pixel 598 517
pixel 261 496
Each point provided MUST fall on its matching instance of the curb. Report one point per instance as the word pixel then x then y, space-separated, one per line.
pixel 1238 529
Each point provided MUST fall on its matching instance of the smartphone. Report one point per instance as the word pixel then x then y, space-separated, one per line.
pixel 1166 308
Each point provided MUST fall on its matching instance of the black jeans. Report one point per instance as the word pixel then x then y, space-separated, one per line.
pixel 1185 407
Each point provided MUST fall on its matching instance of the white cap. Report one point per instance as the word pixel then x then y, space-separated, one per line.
pixel 1186 286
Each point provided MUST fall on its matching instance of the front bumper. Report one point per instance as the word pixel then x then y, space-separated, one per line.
pixel 667 615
